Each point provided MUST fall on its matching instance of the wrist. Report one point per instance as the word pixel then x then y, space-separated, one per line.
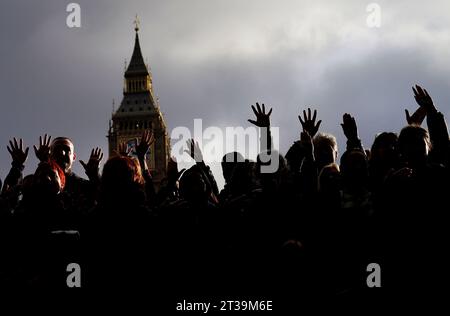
pixel 93 176
pixel 18 165
pixel 141 157
pixel 143 163
pixel 432 109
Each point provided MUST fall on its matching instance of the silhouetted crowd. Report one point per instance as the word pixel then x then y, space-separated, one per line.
pixel 311 227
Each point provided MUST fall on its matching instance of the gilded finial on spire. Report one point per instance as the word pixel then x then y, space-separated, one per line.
pixel 136 23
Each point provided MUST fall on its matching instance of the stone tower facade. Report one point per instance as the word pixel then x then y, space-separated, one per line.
pixel 139 111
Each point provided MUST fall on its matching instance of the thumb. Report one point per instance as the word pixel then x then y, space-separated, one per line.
pixel 83 164
pixel 408 117
pixel 318 124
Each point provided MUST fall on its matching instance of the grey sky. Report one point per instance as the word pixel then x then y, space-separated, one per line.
pixel 212 59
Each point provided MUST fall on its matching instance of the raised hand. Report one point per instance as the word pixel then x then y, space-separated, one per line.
pixel 262 118
pixel 18 155
pixel 43 152
pixel 417 117
pixel 349 127
pixel 309 124
pixel 92 166
pixel 194 150
pixel 123 149
pixel 423 99
pixel 143 146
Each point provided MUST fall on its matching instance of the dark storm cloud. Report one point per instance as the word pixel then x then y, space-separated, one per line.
pixel 212 60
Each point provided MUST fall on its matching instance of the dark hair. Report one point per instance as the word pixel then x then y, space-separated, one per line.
pixel 381 139
pixel 411 133
pixel 122 182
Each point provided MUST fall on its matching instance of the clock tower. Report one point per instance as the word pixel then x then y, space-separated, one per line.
pixel 139 111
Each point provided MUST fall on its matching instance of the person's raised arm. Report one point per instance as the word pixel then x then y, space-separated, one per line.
pixel 91 168
pixel 142 149
pixel 123 149
pixel 19 156
pixel 350 130
pixel 263 122
pixel 437 126
pixel 417 117
pixel 424 100
pixel 309 124
pixel 196 153
pixel 308 168
pixel 307 144
pixel 43 152
pixel 297 152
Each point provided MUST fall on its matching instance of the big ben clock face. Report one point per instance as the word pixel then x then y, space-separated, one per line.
pixel 131 147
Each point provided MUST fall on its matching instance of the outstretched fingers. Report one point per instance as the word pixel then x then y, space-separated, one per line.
pixel 301 121
pixel 254 110
pixel 45 141
pixel 259 108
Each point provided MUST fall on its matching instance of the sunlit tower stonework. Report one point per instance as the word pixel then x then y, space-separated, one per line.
pixel 138 111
